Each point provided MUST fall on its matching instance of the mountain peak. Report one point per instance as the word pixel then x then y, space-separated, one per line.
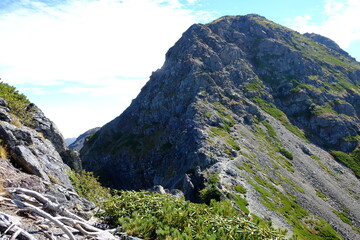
pixel 251 102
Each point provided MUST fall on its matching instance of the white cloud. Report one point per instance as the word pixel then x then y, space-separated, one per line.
pixel 89 41
pixel 92 50
pixel 112 88
pixel 341 22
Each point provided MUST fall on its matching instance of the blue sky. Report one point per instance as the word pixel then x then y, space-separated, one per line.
pixel 83 61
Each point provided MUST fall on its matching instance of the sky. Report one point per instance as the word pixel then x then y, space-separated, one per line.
pixel 83 61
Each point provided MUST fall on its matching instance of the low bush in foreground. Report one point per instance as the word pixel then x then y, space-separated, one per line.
pixel 161 216
pixel 157 216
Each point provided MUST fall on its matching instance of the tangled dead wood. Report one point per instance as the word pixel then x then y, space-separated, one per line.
pixel 49 215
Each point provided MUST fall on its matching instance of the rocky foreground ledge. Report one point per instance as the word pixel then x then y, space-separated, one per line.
pixel 41 217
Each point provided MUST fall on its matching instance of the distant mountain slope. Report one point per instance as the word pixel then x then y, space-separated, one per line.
pixel 69 141
pixel 79 141
pixel 256 106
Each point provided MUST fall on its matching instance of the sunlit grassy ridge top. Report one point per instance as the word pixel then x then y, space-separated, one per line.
pixel 16 101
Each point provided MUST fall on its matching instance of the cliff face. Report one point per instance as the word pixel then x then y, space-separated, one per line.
pixel 256 104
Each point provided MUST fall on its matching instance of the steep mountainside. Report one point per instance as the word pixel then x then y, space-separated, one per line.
pixel 256 106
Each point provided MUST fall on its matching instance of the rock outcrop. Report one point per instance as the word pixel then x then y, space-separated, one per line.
pixel 33 155
pixel 257 105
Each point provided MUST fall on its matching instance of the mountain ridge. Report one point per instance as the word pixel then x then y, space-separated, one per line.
pixel 254 103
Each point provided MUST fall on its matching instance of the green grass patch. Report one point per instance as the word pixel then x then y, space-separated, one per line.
pixel 322 165
pixel 286 153
pixel 241 203
pixel 325 109
pixel 351 160
pixel 296 187
pixel 240 189
pixel 208 114
pixel 279 115
pixel 343 217
pixel 269 128
pixel 211 191
pixel 219 131
pixel 233 144
pixel 320 194
pixel 294 214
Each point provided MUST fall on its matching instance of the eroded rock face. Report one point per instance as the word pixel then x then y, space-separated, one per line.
pixel 34 154
pixel 251 101
pixel 38 149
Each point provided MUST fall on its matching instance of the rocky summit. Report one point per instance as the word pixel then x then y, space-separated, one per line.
pixel 248 110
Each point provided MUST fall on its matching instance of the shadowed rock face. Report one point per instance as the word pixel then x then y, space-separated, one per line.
pixel 252 101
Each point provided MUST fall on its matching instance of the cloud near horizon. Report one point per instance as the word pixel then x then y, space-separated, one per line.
pixel 91 41
pixel 74 57
pixel 341 22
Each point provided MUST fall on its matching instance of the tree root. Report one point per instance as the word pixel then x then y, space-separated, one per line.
pixel 10 224
pixel 39 205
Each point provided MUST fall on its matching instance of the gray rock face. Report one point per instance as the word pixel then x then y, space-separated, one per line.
pixel 238 97
pixel 38 149
pixel 34 154
pixel 4 111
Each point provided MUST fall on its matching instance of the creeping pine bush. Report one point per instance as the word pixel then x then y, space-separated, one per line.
pixel 157 216
pixel 88 187
pixel 161 216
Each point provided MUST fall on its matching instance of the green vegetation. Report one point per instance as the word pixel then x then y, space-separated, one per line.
pixel 88 187
pixel 322 110
pixel 219 131
pixel 208 114
pixel 286 153
pixel 211 191
pixel 241 203
pixel 17 103
pixel 269 128
pixel 3 152
pixel 279 115
pixel 247 168
pixel 351 160
pixel 320 194
pixel 342 216
pixel 295 215
pixel 226 119
pixel 240 189
pixel 156 216
pixel 322 165
pixel 233 144
pixel 224 128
